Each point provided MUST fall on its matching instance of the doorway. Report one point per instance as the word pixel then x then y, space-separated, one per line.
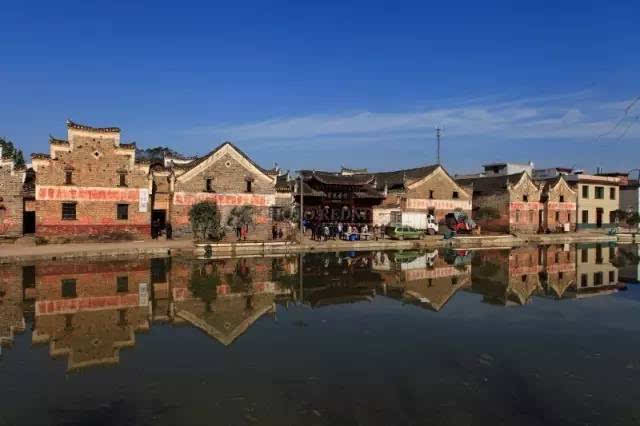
pixel 541 224
pixel 160 216
pixel 599 213
pixel 29 223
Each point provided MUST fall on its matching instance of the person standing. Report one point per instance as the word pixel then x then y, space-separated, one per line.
pixel 169 231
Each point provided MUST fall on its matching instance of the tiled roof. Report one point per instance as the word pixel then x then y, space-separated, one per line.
pixel 330 178
pixel 40 156
pixel 131 145
pixel 283 184
pixel 396 179
pixel 72 125
pixel 56 141
pixel 492 184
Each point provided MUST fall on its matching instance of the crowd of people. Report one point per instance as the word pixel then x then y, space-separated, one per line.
pixel 344 231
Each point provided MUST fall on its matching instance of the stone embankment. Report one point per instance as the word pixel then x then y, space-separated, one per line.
pixel 13 253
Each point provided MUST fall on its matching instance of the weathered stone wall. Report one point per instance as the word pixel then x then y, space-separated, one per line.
pixel 11 203
pixel 499 202
pixel 437 193
pixel 95 161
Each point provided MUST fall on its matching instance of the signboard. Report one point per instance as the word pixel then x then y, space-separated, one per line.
pixel 143 200
pixel 143 294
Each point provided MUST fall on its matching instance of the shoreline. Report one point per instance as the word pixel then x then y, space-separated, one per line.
pixel 16 253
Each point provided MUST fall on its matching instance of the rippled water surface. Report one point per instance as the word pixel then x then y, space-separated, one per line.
pixel 528 336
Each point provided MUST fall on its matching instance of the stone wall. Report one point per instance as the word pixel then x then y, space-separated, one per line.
pixel 95 161
pixel 11 203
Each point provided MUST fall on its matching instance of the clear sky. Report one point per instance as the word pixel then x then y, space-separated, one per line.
pixel 321 84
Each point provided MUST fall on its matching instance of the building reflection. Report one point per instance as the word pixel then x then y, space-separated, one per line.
pixel 87 312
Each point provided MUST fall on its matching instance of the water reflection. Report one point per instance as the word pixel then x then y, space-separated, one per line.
pixel 87 312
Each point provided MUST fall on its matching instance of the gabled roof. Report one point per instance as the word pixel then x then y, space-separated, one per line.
pixel 397 179
pixel 72 125
pixel 193 164
pixel 491 184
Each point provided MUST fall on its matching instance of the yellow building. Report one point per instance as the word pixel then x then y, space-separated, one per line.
pixel 598 199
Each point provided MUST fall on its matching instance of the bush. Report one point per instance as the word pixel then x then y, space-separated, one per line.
pixel 240 216
pixel 205 221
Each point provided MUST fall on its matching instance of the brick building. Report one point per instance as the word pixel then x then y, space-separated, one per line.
pixel 227 176
pixel 11 201
pixel 558 204
pixel 515 198
pixel 90 184
pixel 427 189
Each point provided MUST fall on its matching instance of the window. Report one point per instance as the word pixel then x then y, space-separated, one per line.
pixel 123 179
pixel 612 193
pixel 249 189
pixel 560 275
pixel 69 288
pixel 277 213
pixel 122 284
pixel 123 211
pixel 599 193
pixel 557 216
pixel 28 276
pixel 612 216
pixel 432 212
pixel 158 271
pixel 585 216
pixel 597 278
pixel 584 256
pixel 209 185
pixel 122 317
pixel 68 177
pixel 68 211
pixel 612 277
pixel 585 191
pixel 584 280
pixel 517 216
pixel 431 194
pixel 525 198
pixel 455 194
pixel 599 254
pixel 562 198
pixel 68 322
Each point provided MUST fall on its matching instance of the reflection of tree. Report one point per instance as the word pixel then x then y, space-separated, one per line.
pixel 241 280
pixel 625 258
pixel 204 281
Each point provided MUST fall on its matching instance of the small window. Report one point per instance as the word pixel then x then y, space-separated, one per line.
pixel 28 276
pixel 209 185
pixel 158 271
pixel 431 194
pixel 68 322
pixel 524 278
pixel 123 179
pixel 584 256
pixel 122 284
pixel 584 280
pixel 68 177
pixel 455 194
pixel 585 216
pixel 525 198
pixel 123 211
pixel 597 278
pixel 585 191
pixel 612 193
pixel 69 288
pixel 560 275
pixel 612 277
pixel 599 192
pixel 562 198
pixel 122 317
pixel 249 189
pixel 68 211
pixel 557 216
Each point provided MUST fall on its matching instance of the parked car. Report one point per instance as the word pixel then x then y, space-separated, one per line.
pixel 402 232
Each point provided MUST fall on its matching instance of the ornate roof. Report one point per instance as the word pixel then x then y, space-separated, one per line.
pixel 330 178
pixel 72 125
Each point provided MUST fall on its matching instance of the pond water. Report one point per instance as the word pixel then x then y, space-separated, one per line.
pixel 532 335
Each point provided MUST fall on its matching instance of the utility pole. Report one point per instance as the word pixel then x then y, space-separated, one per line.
pixel 301 211
pixel 438 146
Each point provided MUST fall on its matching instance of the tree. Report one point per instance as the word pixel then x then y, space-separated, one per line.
pixel 10 151
pixel 205 221
pixel 204 281
pixel 240 216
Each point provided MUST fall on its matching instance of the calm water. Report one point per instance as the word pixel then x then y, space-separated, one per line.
pixel 529 336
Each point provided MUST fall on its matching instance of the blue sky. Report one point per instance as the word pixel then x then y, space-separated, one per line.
pixel 322 84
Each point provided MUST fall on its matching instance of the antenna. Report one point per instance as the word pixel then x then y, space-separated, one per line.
pixel 438 130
